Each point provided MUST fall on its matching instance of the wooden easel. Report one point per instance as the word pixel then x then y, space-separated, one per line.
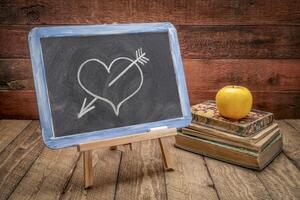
pixel 87 149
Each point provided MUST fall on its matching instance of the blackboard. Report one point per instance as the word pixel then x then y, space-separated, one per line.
pixel 113 81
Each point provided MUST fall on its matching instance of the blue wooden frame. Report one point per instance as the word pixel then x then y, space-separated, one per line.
pixel 88 30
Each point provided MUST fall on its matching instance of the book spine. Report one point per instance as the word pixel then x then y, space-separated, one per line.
pixel 220 152
pixel 221 141
pixel 229 154
pixel 235 129
pixel 219 125
pixel 259 125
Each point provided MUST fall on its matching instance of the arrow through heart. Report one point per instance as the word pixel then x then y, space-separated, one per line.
pixel 140 59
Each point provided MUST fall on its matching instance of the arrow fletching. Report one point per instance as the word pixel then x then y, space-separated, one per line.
pixel 141 57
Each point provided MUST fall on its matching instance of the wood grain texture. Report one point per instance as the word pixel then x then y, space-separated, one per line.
pixel 295 123
pixel 48 175
pixel 190 178
pixel 239 41
pixel 168 160
pixel 255 74
pixel 234 182
pixel 106 167
pixel 176 11
pixel 30 171
pixel 9 130
pixel 88 168
pixel 18 157
pixel 17 85
pixel 13 40
pixel 141 174
pixel 291 141
pixel 197 41
pixel 16 74
pixel 223 42
pixel 281 179
pixel 18 104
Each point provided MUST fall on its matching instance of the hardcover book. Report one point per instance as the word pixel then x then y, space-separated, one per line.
pixel 206 114
pixel 232 154
pixel 256 142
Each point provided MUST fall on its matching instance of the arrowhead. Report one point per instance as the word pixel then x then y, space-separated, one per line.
pixel 85 109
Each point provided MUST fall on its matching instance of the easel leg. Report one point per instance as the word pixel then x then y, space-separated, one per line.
pixel 88 168
pixel 165 154
pixel 130 146
pixel 113 148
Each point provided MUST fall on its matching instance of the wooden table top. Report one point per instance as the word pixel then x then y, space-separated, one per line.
pixel 29 170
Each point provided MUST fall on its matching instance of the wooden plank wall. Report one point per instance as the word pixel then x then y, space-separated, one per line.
pixel 255 43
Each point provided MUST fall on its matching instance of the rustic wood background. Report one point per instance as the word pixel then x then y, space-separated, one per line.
pixel 255 43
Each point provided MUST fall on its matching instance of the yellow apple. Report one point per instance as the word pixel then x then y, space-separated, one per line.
pixel 234 102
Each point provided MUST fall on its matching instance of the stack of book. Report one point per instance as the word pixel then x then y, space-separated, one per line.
pixel 252 142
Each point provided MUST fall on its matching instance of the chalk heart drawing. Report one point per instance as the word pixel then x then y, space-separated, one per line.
pixel 140 59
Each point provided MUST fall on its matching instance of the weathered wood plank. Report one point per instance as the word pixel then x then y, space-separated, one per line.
pixel 179 12
pixel 15 69
pixel 48 175
pixel 295 123
pixel 106 167
pixel 201 74
pixel 141 174
pixel 18 157
pixel 190 178
pixel 239 41
pixel 18 104
pixel 281 179
pixel 197 41
pixel 17 85
pixel 284 104
pixel 16 74
pixel 58 174
pixel 233 182
pixel 291 141
pixel 13 40
pixel 9 130
pixel 256 74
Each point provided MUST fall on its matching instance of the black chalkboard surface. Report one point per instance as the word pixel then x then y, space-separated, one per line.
pixel 101 82
pixel 157 98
